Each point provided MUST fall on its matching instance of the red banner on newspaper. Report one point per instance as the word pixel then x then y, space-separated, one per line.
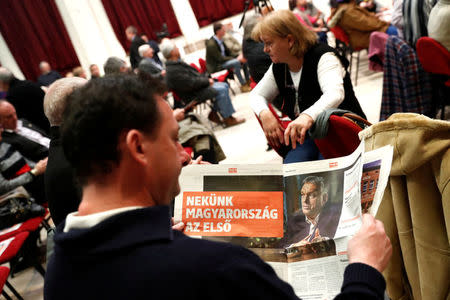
pixel 248 214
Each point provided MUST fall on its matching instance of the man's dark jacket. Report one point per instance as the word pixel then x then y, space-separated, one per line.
pixel 135 58
pixel 214 57
pixel 136 255
pixel 187 82
pixel 28 99
pixel 28 148
pixel 61 189
pixel 49 78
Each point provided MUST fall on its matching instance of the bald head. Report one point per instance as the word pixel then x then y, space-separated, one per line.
pixel 44 67
pixel 8 116
pixel 56 96
pixel 6 76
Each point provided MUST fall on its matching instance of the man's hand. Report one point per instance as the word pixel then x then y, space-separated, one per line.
pixel 199 161
pixel 178 114
pixel 370 245
pixel 272 129
pixel 40 166
pixel 211 81
pixel 177 226
pixel 163 73
pixel 296 130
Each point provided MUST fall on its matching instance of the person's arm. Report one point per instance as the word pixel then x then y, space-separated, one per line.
pixel 360 19
pixel 330 74
pixel 8 185
pixel 265 91
pixel 179 79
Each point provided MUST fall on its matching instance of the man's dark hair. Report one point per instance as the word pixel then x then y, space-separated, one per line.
pixel 317 181
pixel 98 113
pixel 217 26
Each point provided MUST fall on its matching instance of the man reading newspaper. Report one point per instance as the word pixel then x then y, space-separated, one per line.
pixel 121 138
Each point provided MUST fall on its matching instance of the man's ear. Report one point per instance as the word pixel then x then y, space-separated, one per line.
pixel 134 143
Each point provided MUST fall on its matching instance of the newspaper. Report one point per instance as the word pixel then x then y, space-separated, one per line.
pixel 297 217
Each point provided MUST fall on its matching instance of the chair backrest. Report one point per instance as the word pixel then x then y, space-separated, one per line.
pixel 433 57
pixel 202 64
pixel 196 67
pixel 342 138
pixel 340 34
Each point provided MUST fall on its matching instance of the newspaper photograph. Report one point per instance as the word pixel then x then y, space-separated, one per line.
pixel 297 217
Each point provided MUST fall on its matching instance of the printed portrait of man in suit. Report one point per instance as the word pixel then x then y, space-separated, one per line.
pixel 316 219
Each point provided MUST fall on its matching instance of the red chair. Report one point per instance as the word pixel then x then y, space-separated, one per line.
pixel 196 67
pixel 4 273
pixel 342 136
pixel 221 76
pixel 343 46
pixel 435 59
pixel 27 226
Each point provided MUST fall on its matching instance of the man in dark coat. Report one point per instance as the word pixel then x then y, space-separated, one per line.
pixel 189 84
pixel 26 96
pixel 25 136
pixel 136 42
pixel 48 76
pixel 61 188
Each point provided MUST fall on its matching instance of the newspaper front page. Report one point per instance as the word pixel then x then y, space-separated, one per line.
pixel 297 217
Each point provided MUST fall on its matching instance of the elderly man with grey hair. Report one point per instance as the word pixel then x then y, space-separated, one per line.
pixel 48 76
pixel 62 191
pixel 148 65
pixel 115 65
pixel 26 96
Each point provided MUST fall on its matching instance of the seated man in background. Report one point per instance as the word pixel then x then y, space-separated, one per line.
pixel 48 76
pixel 148 64
pixel 218 57
pixel 26 137
pixel 79 72
pixel 115 65
pixel 95 71
pixel 122 139
pixel 189 84
pixel 26 96
pixel 61 189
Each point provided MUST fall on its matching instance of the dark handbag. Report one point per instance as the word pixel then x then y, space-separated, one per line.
pixel 18 209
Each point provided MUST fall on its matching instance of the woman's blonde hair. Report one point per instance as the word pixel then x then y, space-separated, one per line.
pixel 280 23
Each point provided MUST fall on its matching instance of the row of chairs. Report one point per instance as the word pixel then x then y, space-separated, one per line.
pixel 16 244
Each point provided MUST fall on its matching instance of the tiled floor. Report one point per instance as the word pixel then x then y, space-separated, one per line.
pixel 242 144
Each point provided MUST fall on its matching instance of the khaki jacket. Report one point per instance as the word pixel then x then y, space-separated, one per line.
pixel 358 23
pixel 416 204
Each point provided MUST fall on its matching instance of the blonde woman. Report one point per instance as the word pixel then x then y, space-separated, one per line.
pixel 310 77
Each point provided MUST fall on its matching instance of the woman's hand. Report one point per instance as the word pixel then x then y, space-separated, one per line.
pixel 272 129
pixel 296 130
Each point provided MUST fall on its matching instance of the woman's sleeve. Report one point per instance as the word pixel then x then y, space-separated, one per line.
pixel 331 80
pixel 8 185
pixel 265 91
